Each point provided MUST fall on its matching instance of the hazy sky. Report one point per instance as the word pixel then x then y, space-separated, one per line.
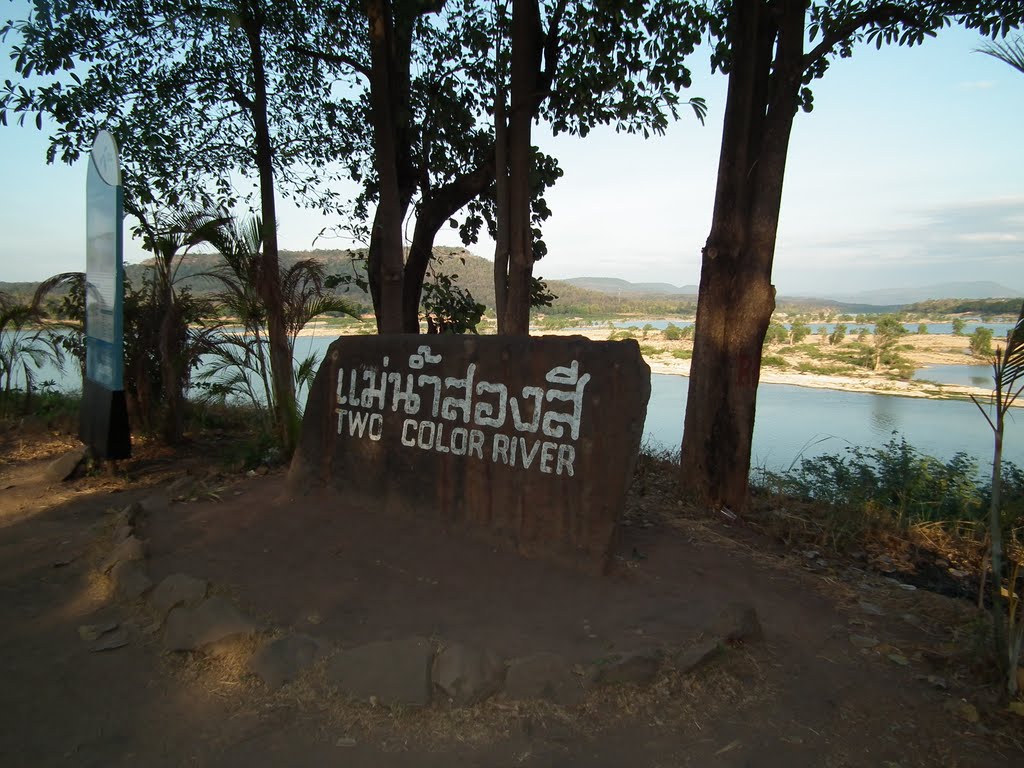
pixel 909 171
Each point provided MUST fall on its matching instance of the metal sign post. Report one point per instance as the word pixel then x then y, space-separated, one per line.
pixel 104 417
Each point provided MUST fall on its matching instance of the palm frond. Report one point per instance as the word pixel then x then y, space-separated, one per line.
pixel 1008 51
pixel 1010 368
pixel 68 280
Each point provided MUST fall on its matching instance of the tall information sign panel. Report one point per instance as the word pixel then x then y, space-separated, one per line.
pixel 104 418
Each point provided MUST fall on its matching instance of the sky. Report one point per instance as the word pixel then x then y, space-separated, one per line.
pixel 909 171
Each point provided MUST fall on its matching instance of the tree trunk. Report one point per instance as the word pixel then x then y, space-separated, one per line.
pixel 171 365
pixel 501 239
pixel 736 298
pixel 1000 607
pixel 386 260
pixel 526 52
pixel 431 215
pixel 269 287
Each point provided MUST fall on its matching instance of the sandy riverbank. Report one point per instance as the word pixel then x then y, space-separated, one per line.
pixel 665 357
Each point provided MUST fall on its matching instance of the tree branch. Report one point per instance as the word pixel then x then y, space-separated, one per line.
pixel 879 15
pixel 332 58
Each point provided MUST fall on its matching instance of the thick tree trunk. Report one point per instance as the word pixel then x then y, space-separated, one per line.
pixel 526 53
pixel 270 271
pixel 386 260
pixel 736 297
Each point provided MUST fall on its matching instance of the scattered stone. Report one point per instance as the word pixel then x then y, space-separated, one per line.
pixel 962 709
pixel 1016 707
pixel 130 580
pixel 908 587
pixel 898 658
pixel 393 672
pixel 736 623
pixel 467 675
pixel 130 550
pixel 937 682
pixel 862 641
pixel 64 466
pixel 872 608
pixel 91 632
pixel 182 488
pixel 213 620
pixel 345 741
pixel 691 659
pixel 110 641
pixel 177 589
pixel 543 676
pixel 636 668
pixel 282 660
pixel 129 515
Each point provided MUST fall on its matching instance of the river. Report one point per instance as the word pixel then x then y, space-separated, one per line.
pixel 794 422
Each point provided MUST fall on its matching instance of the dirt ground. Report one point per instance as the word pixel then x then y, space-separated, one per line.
pixel 807 694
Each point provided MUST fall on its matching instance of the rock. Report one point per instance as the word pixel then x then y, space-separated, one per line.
pixel 177 589
pixel 130 580
pixel 129 550
pixel 900 659
pixel 962 709
pixel 64 466
pixel 937 682
pixel 282 660
pixel 690 659
pixel 129 515
pixel 871 608
pixel 467 675
pixel 213 620
pixel 91 632
pixel 736 623
pixel 393 672
pixel 566 486
pixel 182 488
pixel 543 676
pixel 861 641
pixel 110 641
pixel 635 668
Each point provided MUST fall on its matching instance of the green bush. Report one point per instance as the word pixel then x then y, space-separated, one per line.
pixel 901 483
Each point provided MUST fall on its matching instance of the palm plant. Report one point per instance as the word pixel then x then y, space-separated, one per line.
pixel 1007 613
pixel 170 240
pixel 240 366
pixel 25 346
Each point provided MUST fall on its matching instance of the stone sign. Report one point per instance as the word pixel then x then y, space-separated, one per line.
pixel 529 440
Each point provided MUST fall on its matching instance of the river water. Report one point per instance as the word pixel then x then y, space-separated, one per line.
pixel 794 422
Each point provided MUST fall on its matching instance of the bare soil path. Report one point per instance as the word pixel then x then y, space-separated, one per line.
pixel 808 694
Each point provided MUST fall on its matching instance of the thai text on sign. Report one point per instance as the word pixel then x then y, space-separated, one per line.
pixel 466 415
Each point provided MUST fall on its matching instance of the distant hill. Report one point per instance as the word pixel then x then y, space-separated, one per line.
pixel 616 286
pixel 979 289
pixel 475 274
